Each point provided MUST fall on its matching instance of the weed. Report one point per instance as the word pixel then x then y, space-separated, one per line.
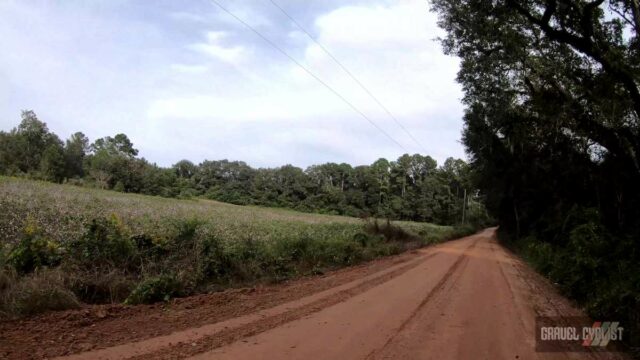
pixel 33 251
pixel 154 289
pixel 104 245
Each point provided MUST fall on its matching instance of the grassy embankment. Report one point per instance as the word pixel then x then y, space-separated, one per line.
pixel 61 246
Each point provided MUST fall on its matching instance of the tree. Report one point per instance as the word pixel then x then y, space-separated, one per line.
pixel 552 125
pixel 119 145
pixel 33 137
pixel 52 165
pixel 549 83
pixel 9 152
pixel 185 169
pixel 112 161
pixel 75 150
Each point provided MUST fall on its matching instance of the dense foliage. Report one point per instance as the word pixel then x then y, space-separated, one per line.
pixel 553 130
pixel 411 188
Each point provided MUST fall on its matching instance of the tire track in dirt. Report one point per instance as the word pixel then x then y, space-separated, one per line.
pixel 207 337
pixel 96 327
pixel 184 350
pixel 437 290
pixel 457 306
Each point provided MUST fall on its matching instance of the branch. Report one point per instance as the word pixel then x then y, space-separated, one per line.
pixel 623 17
pixel 549 11
pixel 587 16
pixel 618 71
pixel 635 10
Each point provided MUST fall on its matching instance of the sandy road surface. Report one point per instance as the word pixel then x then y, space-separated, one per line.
pixel 465 299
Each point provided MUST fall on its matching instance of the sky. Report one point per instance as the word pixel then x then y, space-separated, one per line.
pixel 185 80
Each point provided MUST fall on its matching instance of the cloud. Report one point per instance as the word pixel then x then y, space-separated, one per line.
pixel 402 25
pixel 213 48
pixel 189 69
pixel 231 95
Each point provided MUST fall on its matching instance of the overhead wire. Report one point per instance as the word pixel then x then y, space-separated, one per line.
pixel 349 73
pixel 310 73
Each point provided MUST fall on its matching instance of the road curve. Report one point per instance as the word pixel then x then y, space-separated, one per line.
pixel 464 299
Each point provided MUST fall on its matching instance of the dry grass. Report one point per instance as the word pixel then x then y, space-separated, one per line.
pixel 41 291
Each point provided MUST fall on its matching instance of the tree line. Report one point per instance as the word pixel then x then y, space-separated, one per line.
pixel 412 187
pixel 552 126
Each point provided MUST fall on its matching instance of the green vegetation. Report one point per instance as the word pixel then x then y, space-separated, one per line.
pixel 74 244
pixel 411 188
pixel 96 246
pixel 552 126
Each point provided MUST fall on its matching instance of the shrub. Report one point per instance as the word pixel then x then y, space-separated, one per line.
pixel 186 228
pixel 99 287
pixel 7 278
pixel 594 267
pixel 104 245
pixel 366 239
pixel 341 253
pixel 391 232
pixel 33 251
pixel 119 187
pixel 540 254
pixel 213 262
pixel 3 255
pixel 154 289
pixel 41 291
pixel 248 259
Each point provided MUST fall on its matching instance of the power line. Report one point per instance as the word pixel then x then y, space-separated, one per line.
pixel 344 68
pixel 310 73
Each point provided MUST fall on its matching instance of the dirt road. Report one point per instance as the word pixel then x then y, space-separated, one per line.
pixel 465 299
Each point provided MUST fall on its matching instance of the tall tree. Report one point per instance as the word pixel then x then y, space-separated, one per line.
pixel 75 150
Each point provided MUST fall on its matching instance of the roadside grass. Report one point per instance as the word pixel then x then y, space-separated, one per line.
pixel 61 246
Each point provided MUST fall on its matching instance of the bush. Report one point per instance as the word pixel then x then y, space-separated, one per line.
pixel 154 289
pixel 186 229
pixel 100 287
pixel 3 255
pixel 104 245
pixel 597 269
pixel 41 291
pixel 391 232
pixel 33 251
pixel 119 187
pixel 213 262
pixel 7 278
pixel 248 259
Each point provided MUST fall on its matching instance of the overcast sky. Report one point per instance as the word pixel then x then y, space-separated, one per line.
pixel 183 79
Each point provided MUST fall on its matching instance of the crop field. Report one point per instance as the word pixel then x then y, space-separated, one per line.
pixel 63 245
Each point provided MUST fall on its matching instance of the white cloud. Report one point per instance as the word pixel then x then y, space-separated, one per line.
pixel 212 47
pixel 189 69
pixel 404 24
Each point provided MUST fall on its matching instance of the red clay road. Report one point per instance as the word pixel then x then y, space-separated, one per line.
pixel 464 299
